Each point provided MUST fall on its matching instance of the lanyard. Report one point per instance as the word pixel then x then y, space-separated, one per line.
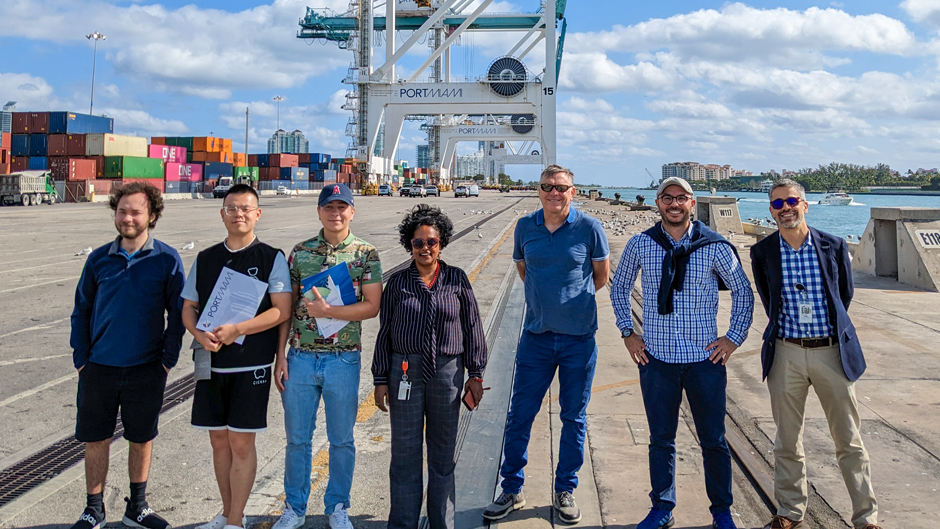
pixel 404 369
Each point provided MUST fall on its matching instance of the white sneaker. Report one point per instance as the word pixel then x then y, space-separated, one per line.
pixel 216 523
pixel 289 520
pixel 339 519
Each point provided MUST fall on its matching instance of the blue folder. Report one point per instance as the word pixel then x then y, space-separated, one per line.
pixel 341 278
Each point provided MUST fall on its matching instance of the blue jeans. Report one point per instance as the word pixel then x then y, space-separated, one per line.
pixel 537 357
pixel 335 377
pixel 704 384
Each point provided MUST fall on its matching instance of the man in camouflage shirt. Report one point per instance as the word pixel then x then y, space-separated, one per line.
pixel 327 366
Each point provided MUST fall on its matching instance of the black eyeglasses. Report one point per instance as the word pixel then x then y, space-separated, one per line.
pixel 790 201
pixel 418 244
pixel 681 199
pixel 561 188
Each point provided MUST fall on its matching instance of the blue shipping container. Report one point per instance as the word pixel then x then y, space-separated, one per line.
pixel 295 173
pixel 19 145
pixel 302 186
pixel 215 170
pixel 73 123
pixel 38 144
pixel 264 160
pixel 38 163
pixel 178 187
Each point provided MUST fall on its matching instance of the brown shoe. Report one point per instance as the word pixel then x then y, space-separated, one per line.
pixel 782 522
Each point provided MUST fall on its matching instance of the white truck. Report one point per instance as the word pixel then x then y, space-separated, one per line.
pixel 29 188
pixel 225 183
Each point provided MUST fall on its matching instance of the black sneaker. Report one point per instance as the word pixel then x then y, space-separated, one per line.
pixel 504 504
pixel 88 520
pixel 143 517
pixel 566 507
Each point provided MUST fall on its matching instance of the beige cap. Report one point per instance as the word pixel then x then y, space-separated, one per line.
pixel 674 181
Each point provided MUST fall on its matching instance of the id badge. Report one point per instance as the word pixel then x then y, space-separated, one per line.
pixel 806 312
pixel 404 390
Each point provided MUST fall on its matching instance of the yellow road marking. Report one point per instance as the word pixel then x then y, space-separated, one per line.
pixel 597 389
pixel 476 271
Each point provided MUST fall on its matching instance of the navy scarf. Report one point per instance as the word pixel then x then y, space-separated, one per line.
pixel 677 258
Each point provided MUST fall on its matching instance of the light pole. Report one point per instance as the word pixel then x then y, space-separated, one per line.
pixel 96 36
pixel 278 99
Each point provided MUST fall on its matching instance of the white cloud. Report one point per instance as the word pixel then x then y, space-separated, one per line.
pixel 190 50
pixel 593 72
pixel 923 11
pixel 140 123
pixel 27 90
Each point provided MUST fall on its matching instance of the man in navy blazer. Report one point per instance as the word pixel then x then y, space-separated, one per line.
pixel 804 279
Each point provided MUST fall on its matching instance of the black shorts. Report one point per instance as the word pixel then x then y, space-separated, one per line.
pixel 233 401
pixel 136 390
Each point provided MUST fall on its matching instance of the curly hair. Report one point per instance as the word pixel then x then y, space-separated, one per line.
pixel 154 197
pixel 424 215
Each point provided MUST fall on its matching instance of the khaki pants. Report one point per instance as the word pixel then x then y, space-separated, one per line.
pixel 794 370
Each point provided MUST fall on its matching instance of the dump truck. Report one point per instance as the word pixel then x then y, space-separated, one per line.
pixel 29 188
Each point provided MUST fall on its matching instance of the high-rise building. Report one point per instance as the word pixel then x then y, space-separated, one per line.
pixel 470 165
pixel 696 171
pixel 6 116
pixel 423 156
pixel 289 143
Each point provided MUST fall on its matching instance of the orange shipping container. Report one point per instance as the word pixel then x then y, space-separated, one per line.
pixel 155 140
pixel 224 157
pixel 239 159
pixel 226 145
pixel 207 144
pixel 200 156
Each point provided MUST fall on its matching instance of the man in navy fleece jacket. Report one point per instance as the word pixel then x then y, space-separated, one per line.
pixel 127 331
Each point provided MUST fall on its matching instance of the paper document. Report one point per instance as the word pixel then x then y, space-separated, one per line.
pixel 336 287
pixel 235 298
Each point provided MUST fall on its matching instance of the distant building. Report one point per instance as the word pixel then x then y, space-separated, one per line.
pixel 380 142
pixel 423 156
pixel 470 165
pixel 696 171
pixel 6 116
pixel 291 143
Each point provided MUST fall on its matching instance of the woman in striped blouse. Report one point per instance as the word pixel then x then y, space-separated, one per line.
pixel 430 332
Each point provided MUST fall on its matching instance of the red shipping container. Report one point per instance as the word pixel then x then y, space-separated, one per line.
pixel 304 157
pixel 158 140
pixel 58 145
pixel 20 123
pixel 99 165
pixel 5 168
pixel 252 160
pixel 5 155
pixel 155 182
pixel 199 156
pixel 38 122
pixel 81 190
pixel 183 172
pixel 283 160
pixel 72 168
pixel 5 139
pixel 169 153
pixel 269 173
pixel 76 145
pixel 19 163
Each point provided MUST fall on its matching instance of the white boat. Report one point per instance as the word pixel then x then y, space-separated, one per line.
pixel 837 198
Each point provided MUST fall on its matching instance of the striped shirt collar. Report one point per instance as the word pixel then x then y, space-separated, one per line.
pixel 687 235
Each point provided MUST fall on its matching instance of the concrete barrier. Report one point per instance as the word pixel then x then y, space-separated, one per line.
pixel 903 243
pixel 719 213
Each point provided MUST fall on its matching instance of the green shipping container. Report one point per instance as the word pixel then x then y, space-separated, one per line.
pixel 250 172
pixel 170 140
pixel 132 167
pixel 185 142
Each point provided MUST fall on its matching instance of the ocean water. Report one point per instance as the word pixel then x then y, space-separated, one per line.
pixel 837 220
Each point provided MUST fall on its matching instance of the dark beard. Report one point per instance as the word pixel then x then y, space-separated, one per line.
pixel 667 222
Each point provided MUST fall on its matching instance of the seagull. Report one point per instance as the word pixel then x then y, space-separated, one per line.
pixel 189 246
pixel 86 251
pixel 480 235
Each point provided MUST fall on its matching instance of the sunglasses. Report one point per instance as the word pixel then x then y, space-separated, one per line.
pixel 790 201
pixel 668 199
pixel 561 188
pixel 418 244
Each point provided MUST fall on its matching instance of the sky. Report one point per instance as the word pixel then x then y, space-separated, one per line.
pixel 758 85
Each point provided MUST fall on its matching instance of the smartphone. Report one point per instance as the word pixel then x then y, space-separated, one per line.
pixel 468 401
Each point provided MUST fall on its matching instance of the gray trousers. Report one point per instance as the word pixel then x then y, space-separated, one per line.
pixel 437 403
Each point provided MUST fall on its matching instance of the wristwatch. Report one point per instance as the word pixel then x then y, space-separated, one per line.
pixel 626 333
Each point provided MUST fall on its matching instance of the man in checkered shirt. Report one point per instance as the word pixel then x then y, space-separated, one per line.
pixel 683 264
pixel 804 278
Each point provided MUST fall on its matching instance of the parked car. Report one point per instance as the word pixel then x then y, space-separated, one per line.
pixel 432 190
pixel 385 190
pixel 418 191
pixel 460 191
pixel 405 190
pixel 282 190
pixel 473 191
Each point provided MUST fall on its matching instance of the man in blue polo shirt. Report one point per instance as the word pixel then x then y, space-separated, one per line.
pixel 563 258
pixel 123 350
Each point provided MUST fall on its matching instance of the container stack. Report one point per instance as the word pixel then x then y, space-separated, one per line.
pixel 213 156
pixel 5 139
pixel 47 140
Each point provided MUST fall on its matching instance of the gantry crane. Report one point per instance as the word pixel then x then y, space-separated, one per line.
pixel 521 103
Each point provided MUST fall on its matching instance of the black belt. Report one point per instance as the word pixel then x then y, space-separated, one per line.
pixel 813 343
